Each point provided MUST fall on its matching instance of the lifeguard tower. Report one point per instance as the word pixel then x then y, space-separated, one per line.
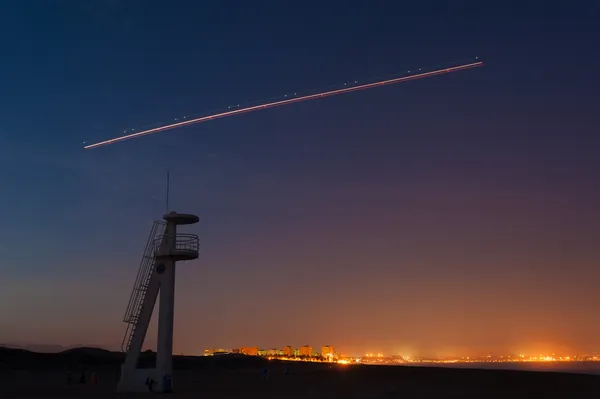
pixel 164 248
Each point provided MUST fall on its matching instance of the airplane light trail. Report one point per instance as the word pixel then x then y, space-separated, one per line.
pixel 284 102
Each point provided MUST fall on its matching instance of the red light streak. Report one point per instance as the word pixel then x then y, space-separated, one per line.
pixel 284 102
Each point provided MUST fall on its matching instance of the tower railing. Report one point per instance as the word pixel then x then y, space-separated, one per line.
pixel 184 243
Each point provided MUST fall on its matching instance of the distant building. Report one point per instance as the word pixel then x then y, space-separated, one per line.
pixel 262 352
pixel 327 352
pixel 288 351
pixel 212 352
pixel 249 350
pixel 306 350
pixel 273 352
pixel 296 352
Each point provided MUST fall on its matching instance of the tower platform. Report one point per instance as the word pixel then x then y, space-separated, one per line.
pixel 185 247
pixel 181 218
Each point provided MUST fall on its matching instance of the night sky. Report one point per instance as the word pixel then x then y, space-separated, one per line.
pixel 455 215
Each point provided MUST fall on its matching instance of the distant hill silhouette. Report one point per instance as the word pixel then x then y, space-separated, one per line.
pixel 46 348
pixel 20 359
pixel 41 348
pixel 86 351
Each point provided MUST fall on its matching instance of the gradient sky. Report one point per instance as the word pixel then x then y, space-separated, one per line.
pixel 452 215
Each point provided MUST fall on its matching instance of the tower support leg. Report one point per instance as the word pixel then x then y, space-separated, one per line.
pixel 164 352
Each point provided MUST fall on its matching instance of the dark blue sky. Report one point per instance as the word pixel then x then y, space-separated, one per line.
pixel 465 204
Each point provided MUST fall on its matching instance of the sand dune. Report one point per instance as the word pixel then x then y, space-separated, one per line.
pixel 31 375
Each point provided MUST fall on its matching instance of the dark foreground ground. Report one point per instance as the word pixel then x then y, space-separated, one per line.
pixel 24 377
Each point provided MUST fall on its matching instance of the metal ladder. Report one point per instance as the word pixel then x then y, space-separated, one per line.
pixel 136 300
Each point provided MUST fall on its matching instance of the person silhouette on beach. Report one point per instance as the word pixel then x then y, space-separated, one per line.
pixel 150 383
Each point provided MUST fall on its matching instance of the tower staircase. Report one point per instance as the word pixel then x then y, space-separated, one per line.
pixel 140 287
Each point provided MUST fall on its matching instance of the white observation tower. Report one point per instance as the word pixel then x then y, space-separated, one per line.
pixel 156 275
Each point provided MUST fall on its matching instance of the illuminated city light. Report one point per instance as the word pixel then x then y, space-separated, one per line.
pixel 327 355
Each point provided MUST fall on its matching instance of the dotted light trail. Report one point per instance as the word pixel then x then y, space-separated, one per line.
pixel 284 102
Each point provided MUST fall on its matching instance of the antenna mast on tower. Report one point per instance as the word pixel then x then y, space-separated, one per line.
pixel 167 194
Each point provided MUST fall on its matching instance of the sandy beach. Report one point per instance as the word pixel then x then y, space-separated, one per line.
pixel 235 378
